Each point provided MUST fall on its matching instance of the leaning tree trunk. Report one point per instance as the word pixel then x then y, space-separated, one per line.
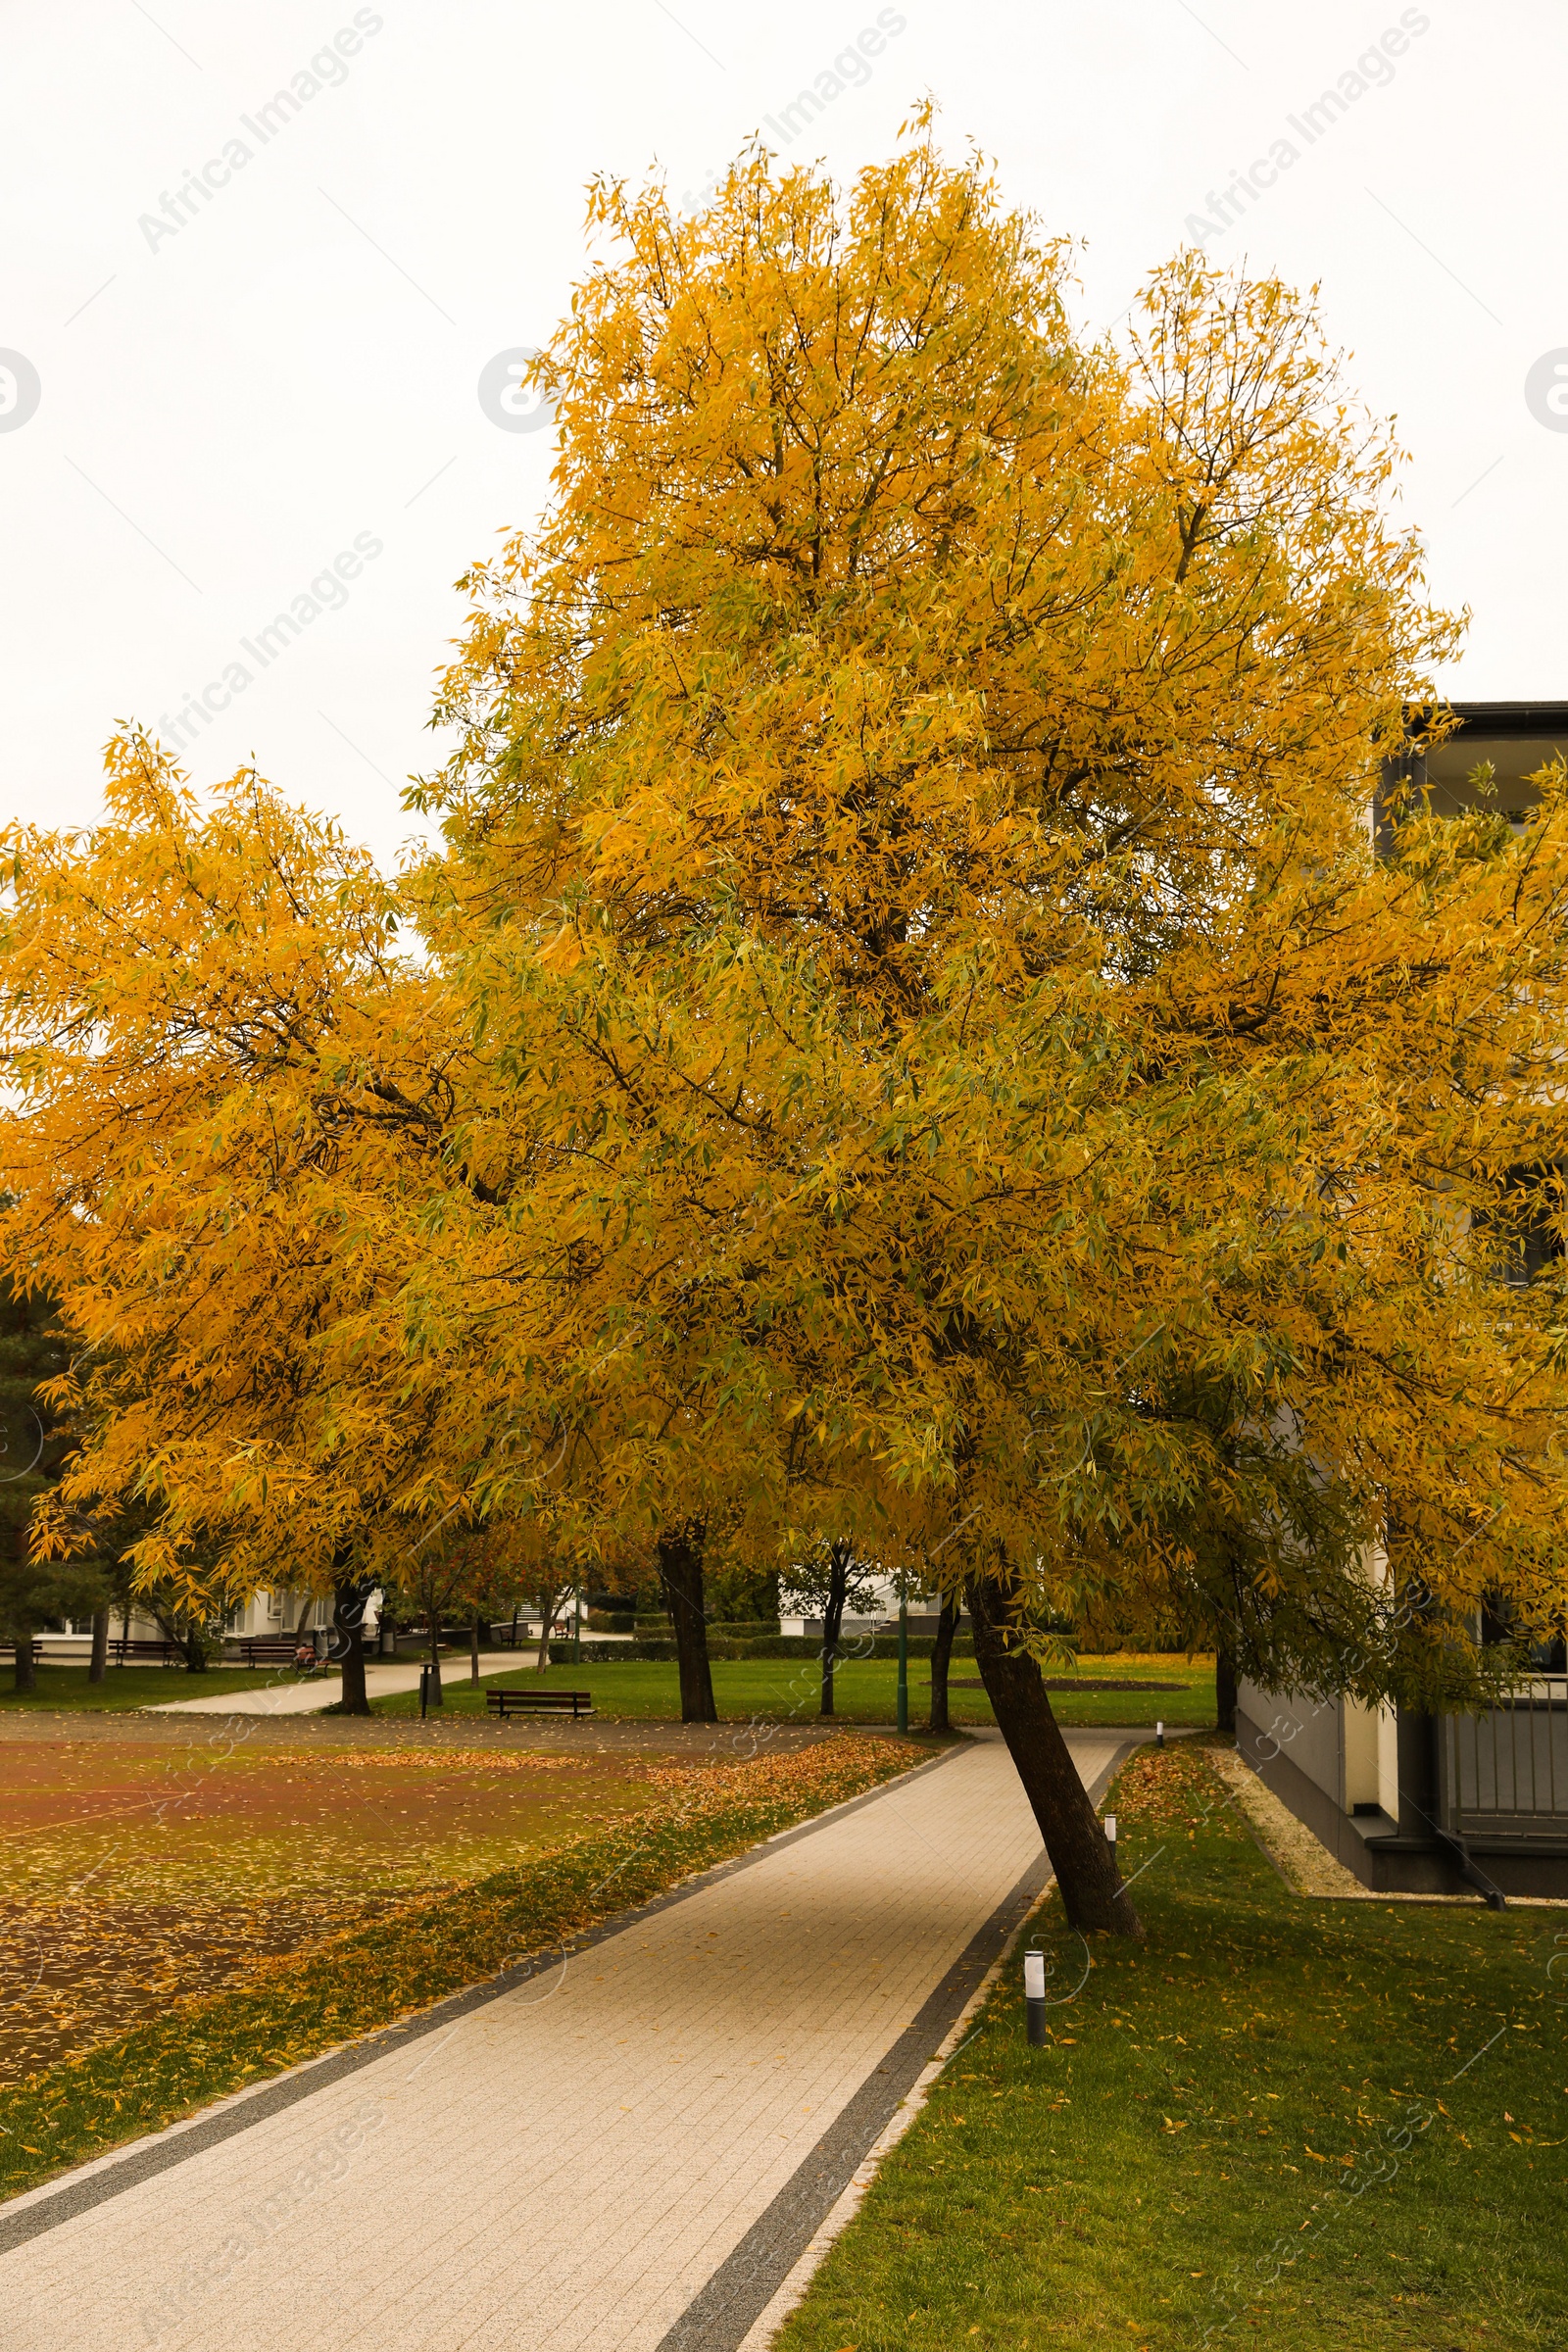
pixel 680 1571
pixel 940 1659
pixel 26 1678
pixel 98 1662
pixel 1092 1892
pixel 348 1619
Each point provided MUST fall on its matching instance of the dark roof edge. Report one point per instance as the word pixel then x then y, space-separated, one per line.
pixel 1513 719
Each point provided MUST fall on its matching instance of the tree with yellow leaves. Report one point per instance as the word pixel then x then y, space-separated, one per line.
pixel 226 1087
pixel 920 1042
pixel 952 1053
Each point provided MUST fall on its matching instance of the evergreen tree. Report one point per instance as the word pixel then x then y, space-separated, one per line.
pixel 33 1446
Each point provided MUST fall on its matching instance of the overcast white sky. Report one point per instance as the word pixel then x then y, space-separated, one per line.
pixel 224 409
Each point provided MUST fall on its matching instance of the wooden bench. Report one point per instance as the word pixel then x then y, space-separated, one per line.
pixel 165 1653
pixel 120 1652
pixel 539 1702
pixel 266 1649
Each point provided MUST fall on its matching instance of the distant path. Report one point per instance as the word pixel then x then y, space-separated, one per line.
pixel 383 1679
pixel 631 2150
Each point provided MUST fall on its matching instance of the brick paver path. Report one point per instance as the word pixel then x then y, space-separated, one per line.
pixel 630 2150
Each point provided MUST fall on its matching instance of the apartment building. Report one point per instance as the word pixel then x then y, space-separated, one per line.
pixel 1425 1803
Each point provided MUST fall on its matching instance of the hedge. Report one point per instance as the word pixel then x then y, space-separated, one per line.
pixel 765 1646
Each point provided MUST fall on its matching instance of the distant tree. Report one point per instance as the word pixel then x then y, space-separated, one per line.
pixel 941 1658
pixel 433 1579
pixel 742 1595
pixel 206 1140
pixel 35 1444
pixel 829 1582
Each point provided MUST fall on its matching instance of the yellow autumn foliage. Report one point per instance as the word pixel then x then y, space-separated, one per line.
pixel 916 1032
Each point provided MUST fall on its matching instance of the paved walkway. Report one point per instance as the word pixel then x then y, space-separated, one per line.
pixel 630 2148
pixel 382 1680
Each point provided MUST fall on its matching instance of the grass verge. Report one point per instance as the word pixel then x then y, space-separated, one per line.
pixel 865 1690
pixel 288 2010
pixel 1279 2121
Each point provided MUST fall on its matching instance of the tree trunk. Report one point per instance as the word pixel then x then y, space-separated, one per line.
pixel 838 1587
pixel 940 1659
pixel 100 1646
pixel 474 1651
pixel 547 1610
pixel 435 1697
pixel 1092 1892
pixel 1225 1685
pixel 26 1678
pixel 348 1619
pixel 195 1650
pixel 680 1571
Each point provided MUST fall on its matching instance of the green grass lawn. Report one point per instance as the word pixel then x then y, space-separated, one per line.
pixel 1278 2122
pixel 129 1687
pixel 787 1690
pixel 584 1837
pixel 138 1869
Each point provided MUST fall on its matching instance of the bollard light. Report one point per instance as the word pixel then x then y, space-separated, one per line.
pixel 1159 1735
pixel 1111 1834
pixel 1034 1998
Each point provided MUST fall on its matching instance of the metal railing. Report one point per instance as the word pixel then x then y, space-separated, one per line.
pixel 1505 1773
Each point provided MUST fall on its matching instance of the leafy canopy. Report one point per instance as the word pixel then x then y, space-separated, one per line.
pixel 916 1038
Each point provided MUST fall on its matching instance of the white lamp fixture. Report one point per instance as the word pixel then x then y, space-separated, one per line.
pixel 1034 1998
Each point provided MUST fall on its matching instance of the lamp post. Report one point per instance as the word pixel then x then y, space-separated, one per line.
pixel 1034 1998
pixel 903 1663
